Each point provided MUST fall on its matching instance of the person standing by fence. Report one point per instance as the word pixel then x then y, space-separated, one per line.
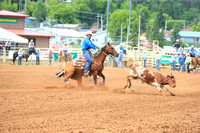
pixel 20 54
pixel 182 62
pixel 157 61
pixel 145 59
pixel 37 56
pixel 50 56
pixel 188 61
pixel 8 45
pixel 120 57
pixel 31 45
pixel 174 59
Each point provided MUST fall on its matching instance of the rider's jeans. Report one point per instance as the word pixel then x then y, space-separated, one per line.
pixel 87 56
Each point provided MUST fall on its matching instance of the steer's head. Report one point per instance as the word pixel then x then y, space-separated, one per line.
pixel 172 81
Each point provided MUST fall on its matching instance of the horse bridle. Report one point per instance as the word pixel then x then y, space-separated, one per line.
pixel 111 50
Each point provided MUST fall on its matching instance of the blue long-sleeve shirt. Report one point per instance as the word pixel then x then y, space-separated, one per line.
pixel 37 53
pixel 182 58
pixel 192 50
pixel 87 44
pixel 145 56
pixel 120 56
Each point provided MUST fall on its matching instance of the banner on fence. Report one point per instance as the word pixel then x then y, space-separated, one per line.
pixel 166 59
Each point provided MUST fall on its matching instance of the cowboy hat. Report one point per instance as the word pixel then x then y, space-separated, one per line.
pixel 88 32
pixel 192 46
pixel 65 43
pixel 177 40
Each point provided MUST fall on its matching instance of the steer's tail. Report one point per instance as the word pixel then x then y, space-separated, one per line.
pixel 60 74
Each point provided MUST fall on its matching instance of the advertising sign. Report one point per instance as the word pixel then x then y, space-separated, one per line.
pixel 8 20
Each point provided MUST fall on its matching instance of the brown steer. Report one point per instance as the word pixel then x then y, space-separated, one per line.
pixel 151 78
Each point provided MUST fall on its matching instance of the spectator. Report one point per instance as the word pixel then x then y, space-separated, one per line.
pixel 120 57
pixel 122 48
pixel 20 54
pixel 8 45
pixel 1 45
pixel 182 62
pixel 180 51
pixel 195 51
pixel 174 59
pixel 157 61
pixel 185 50
pixel 177 45
pixel 50 56
pixel 31 45
pixel 145 59
pixel 37 56
pixel 192 49
pixel 198 55
pixel 188 61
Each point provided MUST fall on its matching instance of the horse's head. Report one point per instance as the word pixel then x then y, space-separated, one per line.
pixel 108 49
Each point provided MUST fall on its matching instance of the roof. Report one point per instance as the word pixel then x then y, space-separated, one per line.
pixel 27 33
pixel 7 35
pixel 71 26
pixel 61 32
pixel 6 13
pixel 189 34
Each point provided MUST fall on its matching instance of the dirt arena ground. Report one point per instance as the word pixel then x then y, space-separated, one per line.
pixel 32 99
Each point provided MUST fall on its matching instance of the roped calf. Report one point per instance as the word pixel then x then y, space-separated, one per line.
pixel 151 78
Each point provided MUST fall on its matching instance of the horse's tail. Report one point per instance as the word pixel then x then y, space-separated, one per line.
pixel 15 54
pixel 60 74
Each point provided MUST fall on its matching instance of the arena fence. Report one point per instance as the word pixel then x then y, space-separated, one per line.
pixel 133 55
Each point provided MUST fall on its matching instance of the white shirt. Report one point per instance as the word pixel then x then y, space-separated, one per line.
pixel 158 57
pixel 65 47
pixel 8 44
pixel 188 60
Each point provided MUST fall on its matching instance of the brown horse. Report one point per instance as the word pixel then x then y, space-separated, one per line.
pixel 76 71
pixel 195 62
pixel 63 58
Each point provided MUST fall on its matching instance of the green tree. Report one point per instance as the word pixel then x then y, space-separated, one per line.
pixel 7 5
pixel 63 12
pixel 175 34
pixel 156 31
pixel 196 27
pixel 40 11
pixel 30 7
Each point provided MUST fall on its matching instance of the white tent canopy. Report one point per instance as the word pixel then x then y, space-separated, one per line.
pixel 7 35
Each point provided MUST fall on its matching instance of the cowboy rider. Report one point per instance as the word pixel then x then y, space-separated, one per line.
pixel 86 45
pixel 65 49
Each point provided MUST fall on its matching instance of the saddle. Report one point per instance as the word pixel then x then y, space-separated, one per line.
pixel 79 63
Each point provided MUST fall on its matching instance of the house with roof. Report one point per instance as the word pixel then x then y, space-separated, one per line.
pixel 190 36
pixel 71 36
pixel 15 22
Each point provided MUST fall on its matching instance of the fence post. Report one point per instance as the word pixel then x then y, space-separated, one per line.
pixel 4 55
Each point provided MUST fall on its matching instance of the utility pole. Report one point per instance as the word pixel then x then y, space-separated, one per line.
pixel 129 22
pixel 139 34
pixel 184 25
pixel 127 38
pixel 101 23
pixel 98 21
pixel 121 32
pixel 19 5
pixel 107 20
pixel 25 7
pixel 165 25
